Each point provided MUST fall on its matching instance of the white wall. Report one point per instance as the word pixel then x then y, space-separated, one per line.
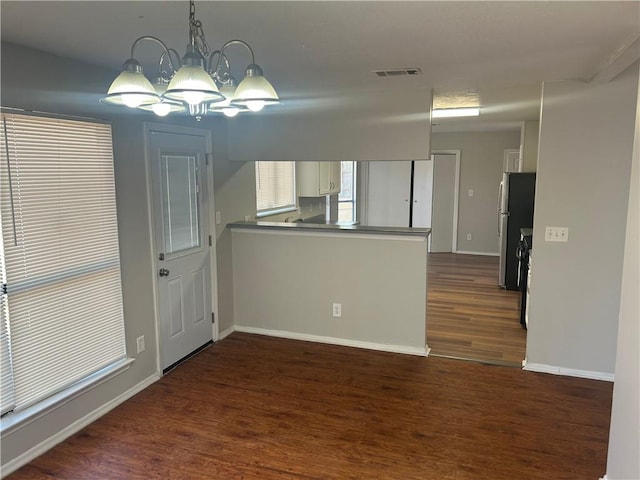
pixel 286 283
pixel 584 162
pixel 624 439
pixel 481 160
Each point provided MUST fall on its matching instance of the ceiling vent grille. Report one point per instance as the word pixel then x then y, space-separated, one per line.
pixel 400 72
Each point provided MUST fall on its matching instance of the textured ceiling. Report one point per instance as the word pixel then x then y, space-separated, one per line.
pixel 316 50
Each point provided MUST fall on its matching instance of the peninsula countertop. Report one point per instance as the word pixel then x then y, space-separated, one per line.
pixel 333 228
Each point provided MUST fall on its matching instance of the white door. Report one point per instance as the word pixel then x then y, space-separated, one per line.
pixel 422 193
pixel 389 189
pixel 444 177
pixel 180 199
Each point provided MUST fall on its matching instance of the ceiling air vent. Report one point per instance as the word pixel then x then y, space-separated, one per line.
pixel 400 72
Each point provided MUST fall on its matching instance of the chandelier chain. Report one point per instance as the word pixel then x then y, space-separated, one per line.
pixel 198 40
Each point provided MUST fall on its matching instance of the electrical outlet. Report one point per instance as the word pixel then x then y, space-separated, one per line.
pixel 470 192
pixel 218 218
pixel 337 310
pixel 556 234
pixel 247 218
pixel 469 236
pixel 140 343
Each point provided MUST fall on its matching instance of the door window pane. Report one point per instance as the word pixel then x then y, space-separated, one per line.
pixel 180 202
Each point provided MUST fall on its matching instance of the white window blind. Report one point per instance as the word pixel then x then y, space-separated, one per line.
pixel 60 251
pixel 275 186
pixel 7 397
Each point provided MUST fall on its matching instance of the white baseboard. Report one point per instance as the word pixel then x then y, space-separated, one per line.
pixel 604 478
pixel 569 372
pixel 225 333
pixel 334 341
pixel 49 443
pixel 486 254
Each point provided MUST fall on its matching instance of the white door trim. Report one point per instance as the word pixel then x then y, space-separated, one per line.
pixel 175 129
pixel 456 191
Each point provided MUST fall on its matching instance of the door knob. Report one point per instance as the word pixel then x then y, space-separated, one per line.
pixel 163 272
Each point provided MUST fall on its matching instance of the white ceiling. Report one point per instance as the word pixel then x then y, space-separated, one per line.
pixel 312 51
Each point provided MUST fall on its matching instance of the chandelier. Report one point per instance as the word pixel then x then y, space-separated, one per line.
pixel 197 86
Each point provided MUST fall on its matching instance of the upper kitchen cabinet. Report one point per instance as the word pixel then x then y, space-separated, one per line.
pixel 318 178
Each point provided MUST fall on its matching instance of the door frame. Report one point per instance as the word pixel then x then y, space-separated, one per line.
pixel 180 130
pixel 456 193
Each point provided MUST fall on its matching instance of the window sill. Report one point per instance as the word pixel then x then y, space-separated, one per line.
pixel 15 420
pixel 276 211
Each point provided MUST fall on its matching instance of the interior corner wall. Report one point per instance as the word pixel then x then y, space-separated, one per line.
pixel 584 162
pixel 623 461
pixel 235 198
pixel 481 165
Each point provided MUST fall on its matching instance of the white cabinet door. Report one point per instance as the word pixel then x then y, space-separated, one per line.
pixel 324 178
pixel 389 189
pixel 335 175
pixel 318 178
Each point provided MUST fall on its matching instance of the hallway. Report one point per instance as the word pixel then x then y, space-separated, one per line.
pixel 469 316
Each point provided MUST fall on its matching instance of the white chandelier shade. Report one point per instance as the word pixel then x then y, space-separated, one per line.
pixel 195 87
pixel 255 91
pixel 131 87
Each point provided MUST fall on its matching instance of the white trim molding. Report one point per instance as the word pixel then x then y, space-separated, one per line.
pixel 49 443
pixel 421 352
pixel 569 372
pixel 225 333
pixel 486 254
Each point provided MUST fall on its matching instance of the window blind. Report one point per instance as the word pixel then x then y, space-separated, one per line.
pixel 7 401
pixel 275 186
pixel 60 245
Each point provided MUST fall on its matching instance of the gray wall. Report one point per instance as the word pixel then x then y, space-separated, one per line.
pixel 529 146
pixel 481 159
pixel 584 162
pixel 292 280
pixel 624 439
pixel 37 81
pixel 386 124
pixel 235 199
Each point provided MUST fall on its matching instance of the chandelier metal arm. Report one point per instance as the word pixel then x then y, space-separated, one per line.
pixel 227 65
pixel 235 42
pixel 167 50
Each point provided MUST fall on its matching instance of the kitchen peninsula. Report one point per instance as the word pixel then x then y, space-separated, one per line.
pixel 361 286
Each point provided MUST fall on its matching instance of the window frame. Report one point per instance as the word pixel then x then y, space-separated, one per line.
pixel 57 397
pixel 290 207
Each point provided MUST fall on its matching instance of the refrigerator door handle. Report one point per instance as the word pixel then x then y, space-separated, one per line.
pixel 499 209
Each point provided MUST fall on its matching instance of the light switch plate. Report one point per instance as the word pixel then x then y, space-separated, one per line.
pixel 556 234
pixel 218 218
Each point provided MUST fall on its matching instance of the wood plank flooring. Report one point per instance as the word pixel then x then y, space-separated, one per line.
pixel 469 316
pixel 253 407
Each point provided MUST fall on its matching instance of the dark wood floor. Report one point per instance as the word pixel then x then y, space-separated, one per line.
pixel 469 316
pixel 253 407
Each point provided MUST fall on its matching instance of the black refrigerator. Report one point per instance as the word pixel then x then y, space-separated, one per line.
pixel 515 211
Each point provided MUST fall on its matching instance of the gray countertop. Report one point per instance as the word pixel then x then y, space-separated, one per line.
pixel 319 227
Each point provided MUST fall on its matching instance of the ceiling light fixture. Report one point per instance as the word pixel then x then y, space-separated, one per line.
pixel 197 86
pixel 455 112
